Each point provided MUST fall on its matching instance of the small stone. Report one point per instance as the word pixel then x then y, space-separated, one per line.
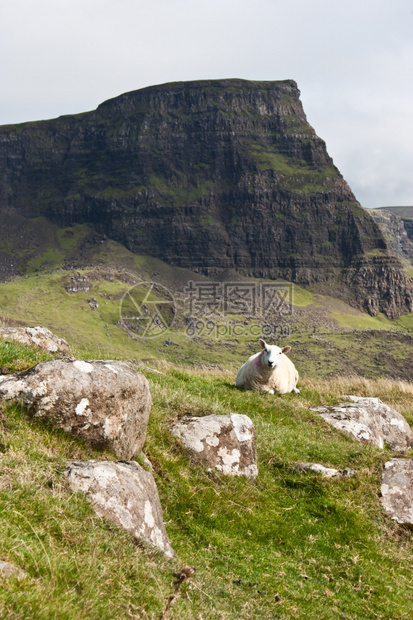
pixel 326 472
pixel 397 490
pixel 10 570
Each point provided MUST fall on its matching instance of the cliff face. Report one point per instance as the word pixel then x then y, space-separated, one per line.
pixel 397 230
pixel 207 175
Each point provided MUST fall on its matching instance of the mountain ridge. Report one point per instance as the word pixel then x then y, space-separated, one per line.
pixel 207 175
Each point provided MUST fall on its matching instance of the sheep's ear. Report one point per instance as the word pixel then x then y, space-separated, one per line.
pixel 286 349
pixel 263 343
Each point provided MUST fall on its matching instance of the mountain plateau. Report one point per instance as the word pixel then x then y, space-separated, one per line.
pixel 207 175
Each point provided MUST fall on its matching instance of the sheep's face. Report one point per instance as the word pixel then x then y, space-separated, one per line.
pixel 272 354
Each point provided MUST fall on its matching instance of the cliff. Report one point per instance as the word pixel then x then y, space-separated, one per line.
pixel 397 230
pixel 207 175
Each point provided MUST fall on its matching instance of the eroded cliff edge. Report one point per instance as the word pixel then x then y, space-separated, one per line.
pixel 208 175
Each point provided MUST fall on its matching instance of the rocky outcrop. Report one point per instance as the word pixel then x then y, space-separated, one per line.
pixel 369 420
pixel 39 336
pixel 224 443
pixel 397 490
pixel 207 175
pixel 383 285
pixel 78 283
pixel 125 494
pixel 397 230
pixel 107 403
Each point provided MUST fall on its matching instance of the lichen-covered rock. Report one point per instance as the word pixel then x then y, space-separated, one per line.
pixel 369 420
pixel 10 570
pixel 38 336
pixel 125 494
pixel 326 472
pixel 397 490
pixel 225 443
pixel 107 403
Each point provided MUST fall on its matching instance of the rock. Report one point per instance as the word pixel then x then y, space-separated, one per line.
pixel 10 570
pixel 397 231
pixel 369 420
pixel 107 403
pixel 397 490
pixel 326 472
pixel 225 443
pixel 78 283
pixel 125 494
pixel 39 336
pixel 93 304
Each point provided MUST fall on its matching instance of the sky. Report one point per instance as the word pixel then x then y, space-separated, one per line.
pixel 352 60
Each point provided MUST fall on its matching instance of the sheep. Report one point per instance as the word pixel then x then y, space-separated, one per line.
pixel 269 371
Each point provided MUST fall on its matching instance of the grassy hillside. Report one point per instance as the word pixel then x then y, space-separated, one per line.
pixel 406 212
pixel 328 336
pixel 288 545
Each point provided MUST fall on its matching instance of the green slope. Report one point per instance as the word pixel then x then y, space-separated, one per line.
pixel 288 545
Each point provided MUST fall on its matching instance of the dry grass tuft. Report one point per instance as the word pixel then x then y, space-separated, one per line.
pixel 398 394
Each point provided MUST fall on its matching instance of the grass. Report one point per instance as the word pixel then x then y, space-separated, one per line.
pixel 302 297
pixel 360 320
pixel 327 335
pixel 15 357
pixel 300 178
pixel 288 545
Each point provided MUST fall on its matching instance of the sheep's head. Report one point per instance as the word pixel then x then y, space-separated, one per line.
pixel 272 354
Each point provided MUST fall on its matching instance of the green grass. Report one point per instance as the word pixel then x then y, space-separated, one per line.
pixel 78 566
pixel 288 545
pixel 302 297
pixel 49 259
pixel 382 345
pixel 300 178
pixel 15 356
pixel 360 320
pixel 70 237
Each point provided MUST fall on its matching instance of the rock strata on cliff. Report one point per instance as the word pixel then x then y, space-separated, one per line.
pixel 207 175
pixel 397 230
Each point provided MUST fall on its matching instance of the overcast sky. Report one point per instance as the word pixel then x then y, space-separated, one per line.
pixel 352 60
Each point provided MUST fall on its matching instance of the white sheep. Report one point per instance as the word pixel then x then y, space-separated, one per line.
pixel 269 371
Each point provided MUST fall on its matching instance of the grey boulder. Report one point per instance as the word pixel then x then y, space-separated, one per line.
pixel 369 420
pixel 222 442
pixel 39 336
pixel 397 490
pixel 126 495
pixel 107 403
